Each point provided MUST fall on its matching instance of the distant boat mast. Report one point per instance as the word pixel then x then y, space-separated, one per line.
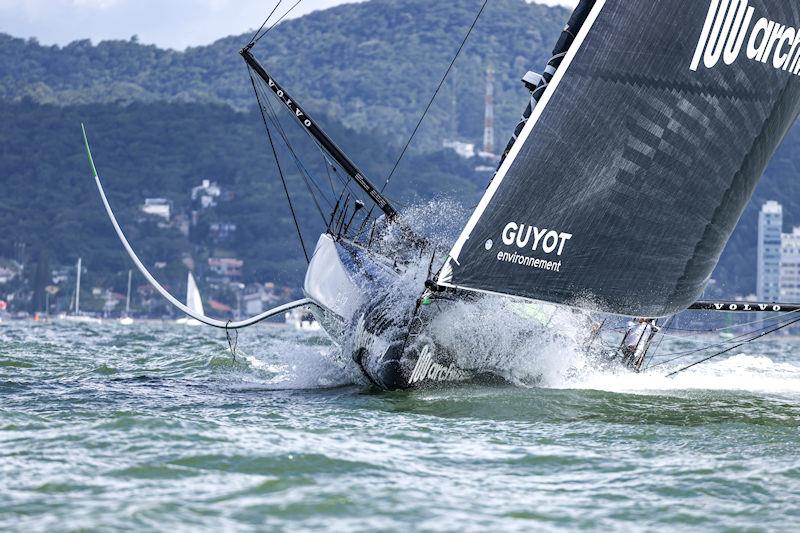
pixel 78 288
pixel 128 298
pixel 488 129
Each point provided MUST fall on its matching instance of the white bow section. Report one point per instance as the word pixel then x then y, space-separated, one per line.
pixel 171 299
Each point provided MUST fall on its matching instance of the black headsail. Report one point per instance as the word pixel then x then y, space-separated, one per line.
pixel 630 176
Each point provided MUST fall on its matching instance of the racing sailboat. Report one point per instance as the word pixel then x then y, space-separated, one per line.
pixel 643 141
pixel 77 315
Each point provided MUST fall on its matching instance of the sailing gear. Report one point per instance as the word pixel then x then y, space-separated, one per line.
pixel 637 341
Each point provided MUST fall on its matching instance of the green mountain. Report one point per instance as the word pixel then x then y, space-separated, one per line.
pixel 163 150
pixel 371 65
pixel 161 121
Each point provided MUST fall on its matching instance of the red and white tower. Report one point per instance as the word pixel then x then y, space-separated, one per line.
pixel 488 131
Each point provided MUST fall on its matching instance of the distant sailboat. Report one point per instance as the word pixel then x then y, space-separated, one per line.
pixel 193 301
pixel 77 316
pixel 126 319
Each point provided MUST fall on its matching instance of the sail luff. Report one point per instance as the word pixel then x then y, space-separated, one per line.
pixel 520 142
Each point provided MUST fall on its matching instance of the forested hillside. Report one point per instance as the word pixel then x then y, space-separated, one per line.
pixel 163 150
pixel 372 65
pixel 161 121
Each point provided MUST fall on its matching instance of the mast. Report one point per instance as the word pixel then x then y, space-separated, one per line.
pixel 128 299
pixel 78 288
pixel 320 136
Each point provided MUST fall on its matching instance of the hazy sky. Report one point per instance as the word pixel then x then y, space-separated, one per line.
pixel 168 23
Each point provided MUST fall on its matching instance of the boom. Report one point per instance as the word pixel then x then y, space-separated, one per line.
pixel 745 307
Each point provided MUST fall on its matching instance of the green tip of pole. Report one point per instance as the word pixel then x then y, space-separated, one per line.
pixel 88 151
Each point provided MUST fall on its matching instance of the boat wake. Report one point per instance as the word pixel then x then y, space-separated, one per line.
pixel 525 344
pixel 293 365
pixel 516 342
pixel 525 360
pixel 742 372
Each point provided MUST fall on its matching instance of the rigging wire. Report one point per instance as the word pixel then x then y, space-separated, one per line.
pixel 274 9
pixel 658 346
pixel 430 104
pixel 298 161
pixel 345 183
pixel 686 353
pixel 257 37
pixel 329 165
pixel 683 355
pixel 305 174
pixel 255 41
pixel 280 170
pixel 709 358
pixel 689 338
pixel 435 94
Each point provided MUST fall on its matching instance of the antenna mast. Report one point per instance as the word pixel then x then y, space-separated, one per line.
pixel 488 130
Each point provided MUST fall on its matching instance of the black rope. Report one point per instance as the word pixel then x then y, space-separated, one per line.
pixel 274 9
pixel 435 94
pixel 709 358
pixel 305 174
pixel 280 170
pixel 658 346
pixel 277 21
pixel 433 98
pixel 346 183
pixel 687 353
pixel 232 344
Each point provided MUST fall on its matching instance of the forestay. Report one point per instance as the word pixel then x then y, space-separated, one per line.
pixel 628 180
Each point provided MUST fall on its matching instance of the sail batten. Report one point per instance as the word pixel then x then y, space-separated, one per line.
pixel 629 178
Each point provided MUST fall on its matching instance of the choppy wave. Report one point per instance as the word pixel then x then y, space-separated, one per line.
pixel 157 427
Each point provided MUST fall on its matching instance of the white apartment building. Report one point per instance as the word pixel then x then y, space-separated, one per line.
pixel 770 229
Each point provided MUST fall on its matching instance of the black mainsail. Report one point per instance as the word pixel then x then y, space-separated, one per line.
pixel 630 176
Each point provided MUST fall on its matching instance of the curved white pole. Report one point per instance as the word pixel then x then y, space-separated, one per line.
pixel 171 299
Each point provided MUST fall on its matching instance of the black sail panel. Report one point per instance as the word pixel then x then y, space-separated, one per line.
pixel 629 179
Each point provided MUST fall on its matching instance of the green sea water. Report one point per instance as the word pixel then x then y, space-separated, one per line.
pixel 156 427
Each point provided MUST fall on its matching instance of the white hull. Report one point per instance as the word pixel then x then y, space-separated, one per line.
pixel 78 319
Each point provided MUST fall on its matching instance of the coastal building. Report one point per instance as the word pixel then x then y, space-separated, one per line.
pixel 222 232
pixel 770 229
pixel 205 195
pixel 790 267
pixel 258 298
pixel 8 273
pixel 224 269
pixel 462 149
pixel 158 207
